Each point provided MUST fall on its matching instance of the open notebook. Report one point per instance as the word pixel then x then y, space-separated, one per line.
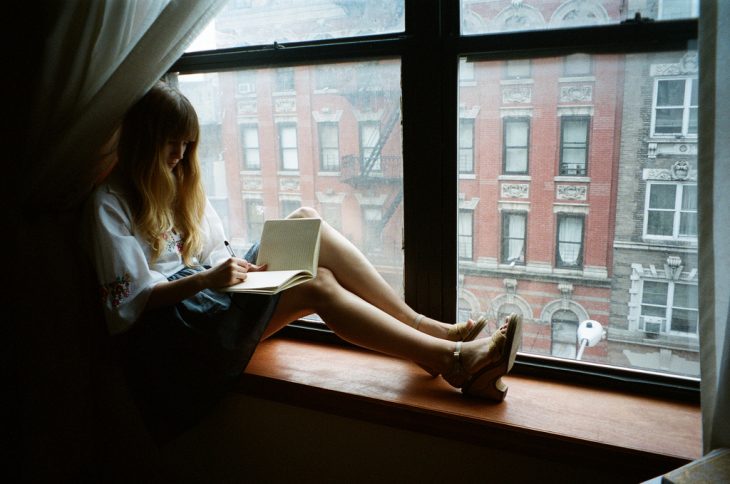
pixel 290 248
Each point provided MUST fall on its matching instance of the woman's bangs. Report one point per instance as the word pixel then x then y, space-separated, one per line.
pixel 183 125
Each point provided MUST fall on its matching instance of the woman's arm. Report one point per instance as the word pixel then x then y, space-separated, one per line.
pixel 231 271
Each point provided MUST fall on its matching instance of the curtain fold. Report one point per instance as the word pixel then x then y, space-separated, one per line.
pixel 100 57
pixel 714 250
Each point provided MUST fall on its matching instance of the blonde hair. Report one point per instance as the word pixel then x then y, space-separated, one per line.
pixel 162 199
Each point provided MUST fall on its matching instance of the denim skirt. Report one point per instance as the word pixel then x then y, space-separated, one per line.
pixel 180 360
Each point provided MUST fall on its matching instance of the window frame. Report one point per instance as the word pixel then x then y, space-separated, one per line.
pixel 562 216
pixel 245 149
pixel 432 43
pixel 505 149
pixel 470 122
pixel 503 252
pixel 323 165
pixel 687 106
pixel 668 308
pixel 679 188
pixel 561 165
pixel 280 127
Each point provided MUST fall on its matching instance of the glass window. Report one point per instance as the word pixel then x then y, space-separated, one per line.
pixel 256 22
pixel 564 329
pixel 570 241
pixel 675 110
pixel 488 16
pixel 276 142
pixel 532 183
pixel 284 79
pixel 517 69
pixel 516 145
pixel 669 307
pixel 574 145
pixel 466 145
pixel 369 149
pixel 466 234
pixel 513 237
pixel 288 154
pixel 250 146
pixel 577 65
pixel 329 151
pixel 671 210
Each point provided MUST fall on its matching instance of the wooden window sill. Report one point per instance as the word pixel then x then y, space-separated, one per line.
pixel 643 435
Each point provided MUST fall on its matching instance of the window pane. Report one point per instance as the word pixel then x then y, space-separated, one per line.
pixel 488 16
pixel 608 244
pixel 255 22
pixel 366 208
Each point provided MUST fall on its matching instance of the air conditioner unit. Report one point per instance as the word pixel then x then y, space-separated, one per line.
pixel 652 324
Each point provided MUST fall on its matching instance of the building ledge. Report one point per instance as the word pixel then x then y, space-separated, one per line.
pixel 639 436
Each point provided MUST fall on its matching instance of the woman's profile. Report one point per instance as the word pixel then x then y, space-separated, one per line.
pixel 159 252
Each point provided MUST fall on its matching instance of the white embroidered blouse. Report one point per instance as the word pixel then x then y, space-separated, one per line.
pixel 122 258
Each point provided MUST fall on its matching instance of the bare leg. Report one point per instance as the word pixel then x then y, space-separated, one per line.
pixel 355 273
pixel 359 322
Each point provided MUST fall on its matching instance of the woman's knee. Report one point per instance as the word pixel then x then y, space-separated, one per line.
pixel 304 212
pixel 324 287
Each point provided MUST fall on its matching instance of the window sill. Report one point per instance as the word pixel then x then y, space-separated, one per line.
pixel 641 435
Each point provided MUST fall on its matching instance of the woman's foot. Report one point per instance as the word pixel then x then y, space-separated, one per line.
pixel 477 367
pixel 467 331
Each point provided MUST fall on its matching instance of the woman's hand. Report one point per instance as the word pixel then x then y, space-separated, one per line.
pixel 232 271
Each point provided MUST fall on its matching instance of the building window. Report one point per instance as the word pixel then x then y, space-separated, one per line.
pixel 284 79
pixel 288 147
pixel 569 253
pixel 466 71
pixel 369 149
pixel 671 211
pixel 250 147
pixel 516 144
pixel 577 65
pixel 668 307
pixel 466 234
pixel 332 214
pixel 517 69
pixel 675 107
pixel 564 329
pixel 246 82
pixel 329 151
pixel 466 145
pixel 254 218
pixel 678 9
pixel 574 145
pixel 372 234
pixel 513 237
pixel 287 206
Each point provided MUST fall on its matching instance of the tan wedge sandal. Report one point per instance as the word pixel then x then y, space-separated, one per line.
pixel 487 382
pixel 457 332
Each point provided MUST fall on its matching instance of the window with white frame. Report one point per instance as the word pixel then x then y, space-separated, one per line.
pixel 329 151
pixel 516 146
pixel 517 69
pixel 675 107
pixel 466 145
pixel 513 237
pixel 254 218
pixel 369 139
pixel 288 155
pixel 574 145
pixel 577 65
pixel 569 249
pixel 668 307
pixel 671 211
pixel 677 9
pixel 466 234
pixel 251 155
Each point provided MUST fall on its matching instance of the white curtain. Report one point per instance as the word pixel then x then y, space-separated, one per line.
pixel 516 233
pixel 570 235
pixel 714 178
pixel 99 57
pixel 81 66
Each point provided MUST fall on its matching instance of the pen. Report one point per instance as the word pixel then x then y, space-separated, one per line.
pixel 230 249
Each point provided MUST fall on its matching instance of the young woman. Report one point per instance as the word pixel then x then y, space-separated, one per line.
pixel 159 252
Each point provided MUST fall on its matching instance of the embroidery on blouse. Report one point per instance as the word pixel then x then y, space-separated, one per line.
pixel 116 291
pixel 173 241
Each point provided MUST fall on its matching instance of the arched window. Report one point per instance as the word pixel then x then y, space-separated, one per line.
pixel 564 325
pixel 507 309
